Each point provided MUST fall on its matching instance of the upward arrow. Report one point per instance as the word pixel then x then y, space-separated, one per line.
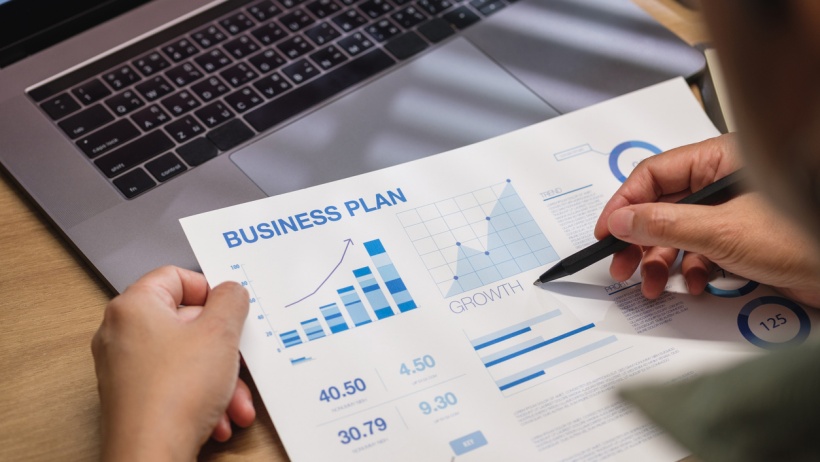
pixel 348 243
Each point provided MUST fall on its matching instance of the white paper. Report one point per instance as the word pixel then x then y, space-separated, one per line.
pixel 475 362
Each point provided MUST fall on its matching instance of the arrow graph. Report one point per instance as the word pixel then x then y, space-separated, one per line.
pixel 348 243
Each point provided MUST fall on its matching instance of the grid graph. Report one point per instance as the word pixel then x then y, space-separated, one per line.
pixel 477 238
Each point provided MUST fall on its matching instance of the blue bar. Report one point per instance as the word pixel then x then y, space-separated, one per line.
pixel 390 275
pixel 334 318
pixel 468 443
pixel 301 360
pixel 508 351
pixel 522 380
pixel 373 292
pixel 313 329
pixel 354 306
pixel 540 345
pixel 505 333
pixel 532 372
pixel 290 338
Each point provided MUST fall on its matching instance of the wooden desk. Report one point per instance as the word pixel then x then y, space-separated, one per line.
pixel 50 306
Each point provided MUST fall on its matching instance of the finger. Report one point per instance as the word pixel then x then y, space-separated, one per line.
pixel 189 313
pixel 655 270
pixel 673 173
pixel 222 432
pixel 687 227
pixel 240 409
pixel 625 262
pixel 696 270
pixel 227 307
pixel 178 286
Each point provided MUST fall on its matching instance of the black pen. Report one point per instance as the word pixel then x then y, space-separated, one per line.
pixel 719 191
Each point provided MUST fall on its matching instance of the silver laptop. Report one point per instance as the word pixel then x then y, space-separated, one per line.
pixel 120 117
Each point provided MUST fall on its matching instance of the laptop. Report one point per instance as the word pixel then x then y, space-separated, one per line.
pixel 119 117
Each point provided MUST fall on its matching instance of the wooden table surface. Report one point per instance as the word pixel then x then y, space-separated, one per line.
pixel 51 303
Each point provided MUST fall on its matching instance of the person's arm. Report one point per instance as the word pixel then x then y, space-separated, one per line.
pixel 167 359
pixel 745 235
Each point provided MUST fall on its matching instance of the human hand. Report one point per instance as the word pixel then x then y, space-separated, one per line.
pixel 745 235
pixel 167 360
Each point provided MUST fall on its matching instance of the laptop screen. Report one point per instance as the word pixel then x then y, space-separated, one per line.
pixel 28 26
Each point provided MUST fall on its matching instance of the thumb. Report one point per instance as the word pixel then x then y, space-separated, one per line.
pixel 688 227
pixel 227 307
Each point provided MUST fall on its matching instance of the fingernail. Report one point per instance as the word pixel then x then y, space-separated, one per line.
pixel 620 222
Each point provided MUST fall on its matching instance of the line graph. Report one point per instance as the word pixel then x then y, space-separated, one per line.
pixel 477 238
pixel 348 242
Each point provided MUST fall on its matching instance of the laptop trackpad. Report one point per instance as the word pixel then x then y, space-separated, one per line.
pixel 448 98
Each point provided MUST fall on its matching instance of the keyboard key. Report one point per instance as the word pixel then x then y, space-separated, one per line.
pixel 300 71
pixel 436 30
pixel 461 17
pixel 435 7
pixel 166 167
pixel 85 121
pixel 269 33
pixel 296 20
pixel 355 43
pixel 124 102
pixel 237 23
pixel 155 88
pixel 135 153
pixel 349 20
pixel 60 106
pixel 382 30
pixel 214 114
pixel 108 138
pixel 121 78
pixel 184 129
pixel 210 88
pixel 323 8
pixel 197 151
pixel 263 11
pixel 267 61
pixel 406 45
pixel 180 50
pixel 208 37
pixel 317 90
pixel 288 4
pixel 488 7
pixel 295 47
pixel 375 8
pixel 239 75
pixel 91 92
pixel 322 33
pixel 230 135
pixel 328 57
pixel 134 182
pixel 241 47
pixel 244 99
pixel 183 74
pixel 213 60
pixel 272 85
pixel 408 17
pixel 151 63
pixel 150 118
pixel 180 103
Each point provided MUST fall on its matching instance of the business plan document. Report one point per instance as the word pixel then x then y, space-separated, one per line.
pixel 393 315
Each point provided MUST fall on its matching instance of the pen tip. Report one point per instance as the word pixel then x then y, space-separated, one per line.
pixel 537 282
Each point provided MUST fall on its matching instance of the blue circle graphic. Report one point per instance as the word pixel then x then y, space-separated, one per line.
pixel 746 330
pixel 619 149
pixel 731 293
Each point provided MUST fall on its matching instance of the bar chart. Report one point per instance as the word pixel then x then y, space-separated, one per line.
pixel 371 296
pixel 477 238
pixel 539 347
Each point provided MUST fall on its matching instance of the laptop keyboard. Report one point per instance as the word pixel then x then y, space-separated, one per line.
pixel 157 108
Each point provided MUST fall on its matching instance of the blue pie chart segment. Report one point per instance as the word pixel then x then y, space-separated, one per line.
pixel 623 147
pixel 773 322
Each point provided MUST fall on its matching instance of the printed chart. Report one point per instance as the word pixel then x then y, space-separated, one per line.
pixel 541 347
pixel 349 309
pixel 477 238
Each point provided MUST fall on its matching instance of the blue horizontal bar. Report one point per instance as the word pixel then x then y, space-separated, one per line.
pixel 503 337
pixel 540 345
pixel 520 381
pixel 568 192
pixel 485 340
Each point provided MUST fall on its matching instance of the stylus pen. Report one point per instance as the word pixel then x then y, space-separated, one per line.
pixel 717 192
